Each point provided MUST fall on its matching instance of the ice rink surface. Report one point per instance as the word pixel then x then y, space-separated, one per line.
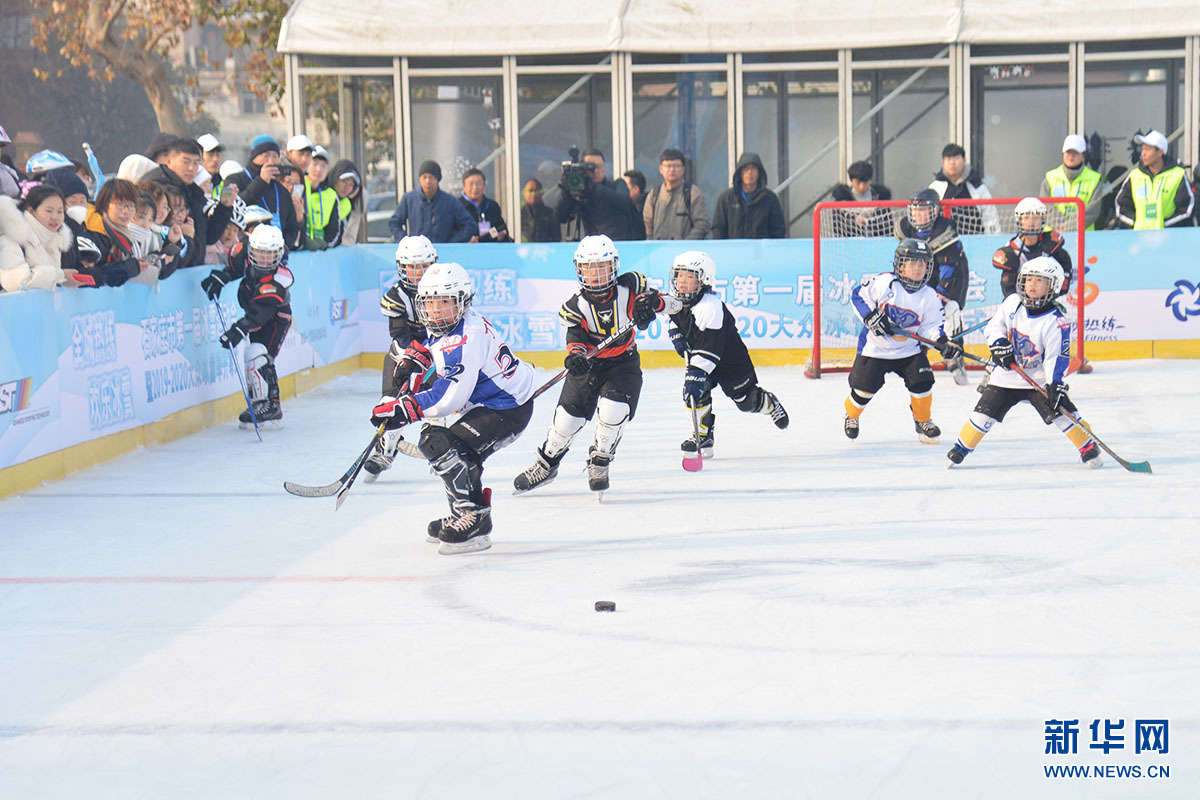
pixel 807 617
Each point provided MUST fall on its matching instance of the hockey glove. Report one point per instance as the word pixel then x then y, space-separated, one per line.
pixel 953 317
pixel 1002 353
pixel 214 283
pixel 645 307
pixel 1056 396
pixel 677 341
pixel 948 348
pixel 396 411
pixel 878 323
pixel 231 337
pixel 417 358
pixel 577 363
pixel 695 385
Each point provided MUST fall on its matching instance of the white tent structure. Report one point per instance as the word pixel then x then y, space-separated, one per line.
pixel 811 87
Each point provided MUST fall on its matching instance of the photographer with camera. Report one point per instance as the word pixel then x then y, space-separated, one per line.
pixel 591 203
pixel 264 188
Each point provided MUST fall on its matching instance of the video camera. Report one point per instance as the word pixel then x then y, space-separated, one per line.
pixel 576 175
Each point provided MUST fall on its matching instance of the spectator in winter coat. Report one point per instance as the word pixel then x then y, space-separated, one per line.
pixel 266 190
pixel 33 240
pixel 179 171
pixel 159 145
pixel 675 209
pixel 537 219
pixel 483 210
pixel 106 232
pixel 428 211
pixel 862 221
pixel 134 168
pixel 10 179
pixel 749 210
pixel 958 181
pixel 352 201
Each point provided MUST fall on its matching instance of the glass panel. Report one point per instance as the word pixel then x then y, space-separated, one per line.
pixel 790 117
pixel 1121 97
pixel 903 141
pixel 354 118
pixel 583 118
pixel 686 111
pixel 1020 119
pixel 457 122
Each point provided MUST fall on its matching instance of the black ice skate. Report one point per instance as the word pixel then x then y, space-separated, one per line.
pixel 928 432
pixel 268 412
pixel 850 427
pixel 597 472
pixel 957 453
pixel 688 446
pixel 466 531
pixel 775 408
pixel 1090 455
pixel 544 470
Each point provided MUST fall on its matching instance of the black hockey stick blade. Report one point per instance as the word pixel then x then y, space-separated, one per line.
pixel 330 489
pixel 357 467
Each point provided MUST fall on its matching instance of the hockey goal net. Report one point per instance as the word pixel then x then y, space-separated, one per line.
pixel 853 240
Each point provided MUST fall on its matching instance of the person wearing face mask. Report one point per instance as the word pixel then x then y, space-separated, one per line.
pixel 107 231
pixel 33 240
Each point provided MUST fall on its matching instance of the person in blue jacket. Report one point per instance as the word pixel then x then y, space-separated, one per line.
pixel 432 213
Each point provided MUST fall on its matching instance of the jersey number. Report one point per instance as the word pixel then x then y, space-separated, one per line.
pixel 506 361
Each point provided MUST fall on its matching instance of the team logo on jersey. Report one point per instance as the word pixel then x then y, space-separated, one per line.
pixel 1024 348
pixel 452 343
pixel 901 317
pixel 1184 300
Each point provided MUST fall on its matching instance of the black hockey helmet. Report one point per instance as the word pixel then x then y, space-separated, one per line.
pixel 913 250
pixel 924 199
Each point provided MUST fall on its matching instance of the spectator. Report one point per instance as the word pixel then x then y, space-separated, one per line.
pixel 33 240
pixel 675 209
pixel 183 162
pixel 214 152
pixel 862 221
pixel 299 152
pixel 428 211
pixel 267 191
pixel 636 182
pixel 321 222
pixel 1157 194
pixel 10 179
pixel 957 180
pixel 159 146
pixel 485 212
pixel 107 234
pixel 1074 178
pixel 537 219
pixel 600 207
pixel 69 184
pixel 134 168
pixel 749 210
pixel 140 235
pixel 352 205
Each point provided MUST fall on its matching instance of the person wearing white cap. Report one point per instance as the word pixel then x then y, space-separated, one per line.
pixel 1074 178
pixel 322 225
pixel 299 152
pixel 1157 193
pixel 213 153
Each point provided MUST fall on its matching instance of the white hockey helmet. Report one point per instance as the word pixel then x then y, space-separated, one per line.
pixel 265 250
pixel 414 254
pixel 697 263
pixel 1030 215
pixel 441 282
pixel 1043 267
pixel 596 263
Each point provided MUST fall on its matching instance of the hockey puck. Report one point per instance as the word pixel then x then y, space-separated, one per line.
pixel 606 605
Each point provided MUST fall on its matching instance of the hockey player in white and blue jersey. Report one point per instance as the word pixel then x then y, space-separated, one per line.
pixel 1031 330
pixel 475 373
pixel 891 304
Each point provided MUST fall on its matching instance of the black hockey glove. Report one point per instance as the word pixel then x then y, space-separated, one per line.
pixel 1002 353
pixel 235 334
pixel 396 411
pixel 948 348
pixel 695 385
pixel 1056 396
pixel 677 341
pixel 878 323
pixel 213 284
pixel 645 307
pixel 577 363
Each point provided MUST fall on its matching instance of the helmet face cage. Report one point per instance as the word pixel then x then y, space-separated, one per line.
pixel 411 273
pixel 1030 214
pixel 906 253
pixel 1051 274
pixel 921 201
pixel 449 282
pixel 596 264
pixel 263 262
pixel 688 297
pixel 414 255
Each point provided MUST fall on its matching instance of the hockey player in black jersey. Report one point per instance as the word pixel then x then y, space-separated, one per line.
pixel 259 260
pixel 1033 239
pixel 414 255
pixel 607 385
pixel 704 332
pixel 951 274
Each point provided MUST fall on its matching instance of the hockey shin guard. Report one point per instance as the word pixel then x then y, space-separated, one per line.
pixel 611 416
pixel 260 372
pixel 563 429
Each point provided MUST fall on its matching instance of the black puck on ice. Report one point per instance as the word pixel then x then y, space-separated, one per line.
pixel 606 605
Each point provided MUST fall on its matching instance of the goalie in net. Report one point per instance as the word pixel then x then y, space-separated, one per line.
pixel 843 257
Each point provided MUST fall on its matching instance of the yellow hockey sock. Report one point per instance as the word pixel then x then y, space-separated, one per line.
pixel 922 407
pixel 853 409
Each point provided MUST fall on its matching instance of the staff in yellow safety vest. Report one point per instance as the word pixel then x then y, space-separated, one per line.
pixel 1157 194
pixel 1073 178
pixel 322 222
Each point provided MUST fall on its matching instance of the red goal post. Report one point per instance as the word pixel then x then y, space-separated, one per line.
pixel 852 240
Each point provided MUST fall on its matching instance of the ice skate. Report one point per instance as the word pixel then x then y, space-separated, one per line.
pixel 597 472
pixel 689 448
pixel 268 413
pixel 957 454
pixel 775 408
pixel 850 427
pixel 467 530
pixel 544 470
pixel 1090 455
pixel 928 432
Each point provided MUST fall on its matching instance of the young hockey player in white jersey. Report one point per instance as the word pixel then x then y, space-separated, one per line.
pixel 705 333
pixel 891 304
pixel 1032 331
pixel 475 373
pixel 414 255
pixel 608 384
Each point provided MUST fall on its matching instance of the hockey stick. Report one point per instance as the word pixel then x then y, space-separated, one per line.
pixel 604 344
pixel 238 372
pixel 329 490
pixel 694 464
pixel 1132 466
pixel 971 329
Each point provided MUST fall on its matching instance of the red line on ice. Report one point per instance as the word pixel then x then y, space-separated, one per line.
pixel 215 579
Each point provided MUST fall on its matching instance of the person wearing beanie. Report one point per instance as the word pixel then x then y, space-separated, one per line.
pixel 428 211
pixel 72 187
pixel 260 185
pixel 159 145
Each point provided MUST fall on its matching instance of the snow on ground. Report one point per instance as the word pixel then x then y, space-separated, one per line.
pixel 806 617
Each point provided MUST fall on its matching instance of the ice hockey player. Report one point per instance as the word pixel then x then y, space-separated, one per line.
pixel 475 373
pixel 607 385
pixel 1033 331
pixel 889 304
pixel 705 333
pixel 1033 239
pixel 951 274
pixel 259 260
pixel 414 255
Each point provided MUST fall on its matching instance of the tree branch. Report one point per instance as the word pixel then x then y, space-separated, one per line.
pixel 110 20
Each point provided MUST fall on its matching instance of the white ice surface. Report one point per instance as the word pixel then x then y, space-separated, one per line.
pixel 806 617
